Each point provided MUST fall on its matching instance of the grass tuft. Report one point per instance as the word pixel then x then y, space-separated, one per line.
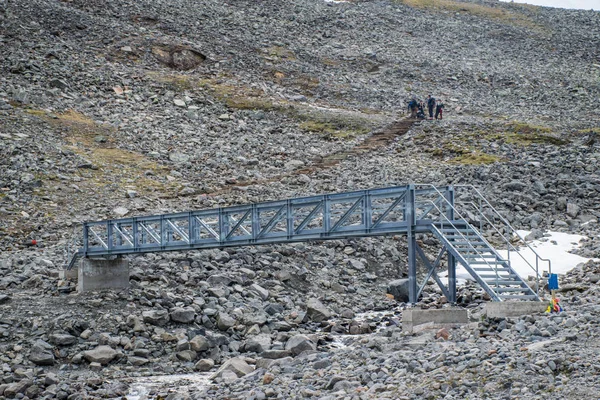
pixel 494 13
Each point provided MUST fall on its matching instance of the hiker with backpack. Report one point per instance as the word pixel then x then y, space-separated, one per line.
pixel 439 109
pixel 430 106
pixel 412 107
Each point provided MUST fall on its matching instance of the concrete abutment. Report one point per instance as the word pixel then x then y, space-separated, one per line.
pixel 99 274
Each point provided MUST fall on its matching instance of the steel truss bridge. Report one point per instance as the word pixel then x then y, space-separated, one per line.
pixel 462 222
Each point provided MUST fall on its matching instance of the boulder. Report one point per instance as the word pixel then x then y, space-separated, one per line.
pixel 183 314
pixel 260 291
pixel 41 353
pixel 316 311
pixel 225 321
pixel 299 343
pixel 156 317
pixel 572 211
pixel 17 388
pixel 258 343
pixel 236 365
pixel 101 354
pixel 399 289
pixel 61 339
pixel 206 364
pixel 199 343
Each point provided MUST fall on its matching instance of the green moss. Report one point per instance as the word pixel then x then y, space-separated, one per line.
pixel 524 134
pixel 498 14
pixel 249 103
pixel 475 158
pixel 317 126
pixel 333 125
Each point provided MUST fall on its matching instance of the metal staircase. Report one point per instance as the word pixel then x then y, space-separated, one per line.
pixel 412 210
pixel 492 272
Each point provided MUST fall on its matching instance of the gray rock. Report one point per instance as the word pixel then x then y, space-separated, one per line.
pixel 258 343
pixel 187 355
pixel 316 311
pixel 206 364
pixel 137 361
pixel 184 315
pixel 101 354
pixel 156 317
pixel 40 356
pixel 199 343
pixel 260 291
pixel 62 339
pixel 299 343
pixel 237 365
pixel 399 289
pixel 17 388
pixel 178 157
pixel 225 321
pixel 572 210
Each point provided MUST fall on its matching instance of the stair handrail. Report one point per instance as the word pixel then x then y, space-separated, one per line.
pixel 465 238
pixel 512 229
pixel 536 269
pixel 511 246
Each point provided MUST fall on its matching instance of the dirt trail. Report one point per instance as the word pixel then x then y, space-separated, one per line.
pixel 376 140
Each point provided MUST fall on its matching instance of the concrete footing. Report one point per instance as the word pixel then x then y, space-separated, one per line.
pixel 68 274
pixel 416 320
pixel 97 274
pixel 507 309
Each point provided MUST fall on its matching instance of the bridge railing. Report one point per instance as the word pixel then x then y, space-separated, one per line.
pixel 332 216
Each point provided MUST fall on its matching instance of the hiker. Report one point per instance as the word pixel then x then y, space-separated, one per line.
pixel 421 112
pixel 439 109
pixel 412 107
pixel 430 106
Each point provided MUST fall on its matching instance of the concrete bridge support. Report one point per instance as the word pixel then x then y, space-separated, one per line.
pixel 98 274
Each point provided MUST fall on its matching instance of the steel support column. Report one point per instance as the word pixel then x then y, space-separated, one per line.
pixel 413 289
pixel 451 259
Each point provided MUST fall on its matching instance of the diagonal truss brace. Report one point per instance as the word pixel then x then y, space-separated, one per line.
pixel 431 270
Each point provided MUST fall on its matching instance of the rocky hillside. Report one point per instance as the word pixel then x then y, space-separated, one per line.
pixel 122 108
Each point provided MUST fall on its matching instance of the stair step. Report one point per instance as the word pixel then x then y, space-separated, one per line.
pixel 486 276
pixel 516 296
pixel 500 270
pixel 492 282
pixel 511 289
pixel 470 244
pixel 489 263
